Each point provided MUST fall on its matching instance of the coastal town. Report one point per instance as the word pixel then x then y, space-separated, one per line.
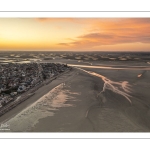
pixel 17 79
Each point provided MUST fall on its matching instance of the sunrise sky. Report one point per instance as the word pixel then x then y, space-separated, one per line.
pixel 75 34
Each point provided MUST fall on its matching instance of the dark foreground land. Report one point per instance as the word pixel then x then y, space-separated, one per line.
pixel 88 99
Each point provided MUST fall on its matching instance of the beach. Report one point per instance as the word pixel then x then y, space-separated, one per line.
pixel 86 100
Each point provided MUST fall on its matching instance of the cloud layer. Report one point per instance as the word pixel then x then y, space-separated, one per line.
pixel 75 33
pixel 114 31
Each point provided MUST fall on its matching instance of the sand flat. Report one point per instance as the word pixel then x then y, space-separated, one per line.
pixel 84 105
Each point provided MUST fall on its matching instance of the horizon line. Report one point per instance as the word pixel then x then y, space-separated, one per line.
pixel 71 51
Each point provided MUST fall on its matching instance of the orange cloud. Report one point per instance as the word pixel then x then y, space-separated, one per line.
pixel 75 33
pixel 55 19
pixel 112 32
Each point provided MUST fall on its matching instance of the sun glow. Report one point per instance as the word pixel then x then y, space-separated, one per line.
pixel 81 34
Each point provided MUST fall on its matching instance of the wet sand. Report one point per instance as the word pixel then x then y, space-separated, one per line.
pixel 38 94
pixel 95 114
pixel 87 100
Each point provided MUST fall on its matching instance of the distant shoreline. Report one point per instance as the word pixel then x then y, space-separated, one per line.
pixel 139 51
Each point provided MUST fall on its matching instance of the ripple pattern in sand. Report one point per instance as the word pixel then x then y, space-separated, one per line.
pixel 44 107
